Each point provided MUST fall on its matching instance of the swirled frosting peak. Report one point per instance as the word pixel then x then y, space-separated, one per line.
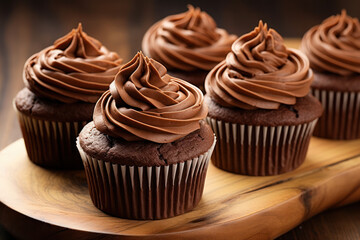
pixel 78 44
pixel 334 45
pixel 76 68
pixel 260 72
pixel 145 103
pixel 188 41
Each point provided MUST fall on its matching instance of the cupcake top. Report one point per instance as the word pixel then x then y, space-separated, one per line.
pixel 187 41
pixel 334 45
pixel 260 72
pixel 145 103
pixel 77 68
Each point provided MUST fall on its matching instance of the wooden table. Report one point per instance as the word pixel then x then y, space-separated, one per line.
pixel 26 29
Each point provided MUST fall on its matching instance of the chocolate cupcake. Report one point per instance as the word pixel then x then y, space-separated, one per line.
pixel 63 83
pixel 188 44
pixel 333 48
pixel 146 153
pixel 259 106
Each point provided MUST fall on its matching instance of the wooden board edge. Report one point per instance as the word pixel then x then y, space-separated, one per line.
pixel 247 227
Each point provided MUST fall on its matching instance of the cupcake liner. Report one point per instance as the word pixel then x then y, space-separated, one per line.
pixel 144 192
pixel 260 150
pixel 51 144
pixel 341 117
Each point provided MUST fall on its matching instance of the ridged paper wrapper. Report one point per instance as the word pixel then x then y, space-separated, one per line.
pixel 51 144
pixel 260 150
pixel 341 117
pixel 146 192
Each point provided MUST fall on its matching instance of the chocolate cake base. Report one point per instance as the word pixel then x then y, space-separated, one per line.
pixel 50 129
pixel 31 105
pixel 156 181
pixel 262 142
pixel 340 97
pixel 145 153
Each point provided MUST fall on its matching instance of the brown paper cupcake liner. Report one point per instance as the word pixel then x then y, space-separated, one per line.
pixel 51 144
pixel 143 192
pixel 260 150
pixel 341 117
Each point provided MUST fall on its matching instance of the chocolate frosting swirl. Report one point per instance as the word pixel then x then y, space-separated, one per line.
pixel 145 103
pixel 260 72
pixel 76 68
pixel 187 41
pixel 334 45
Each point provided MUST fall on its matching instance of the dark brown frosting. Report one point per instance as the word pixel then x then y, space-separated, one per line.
pixel 187 41
pixel 334 45
pixel 76 68
pixel 145 103
pixel 260 72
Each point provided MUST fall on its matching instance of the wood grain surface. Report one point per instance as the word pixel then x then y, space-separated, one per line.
pixel 232 207
pixel 29 26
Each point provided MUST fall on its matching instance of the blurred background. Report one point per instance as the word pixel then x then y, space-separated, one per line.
pixel 120 25
pixel 26 27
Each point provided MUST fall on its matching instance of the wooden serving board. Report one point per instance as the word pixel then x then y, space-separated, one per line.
pixel 38 203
